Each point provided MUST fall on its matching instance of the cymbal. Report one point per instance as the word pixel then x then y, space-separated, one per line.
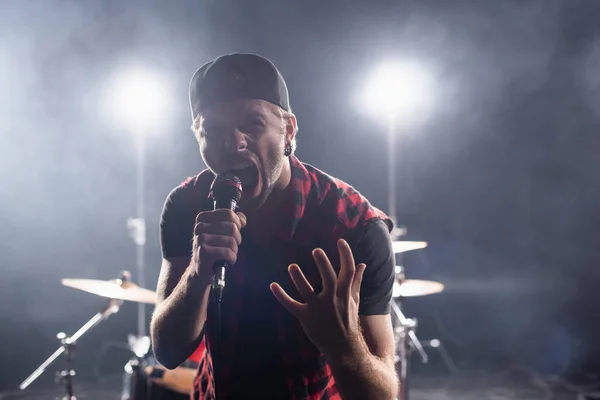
pixel 416 287
pixel 401 246
pixel 114 289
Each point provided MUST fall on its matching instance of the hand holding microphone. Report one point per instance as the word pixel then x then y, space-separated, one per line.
pixel 217 232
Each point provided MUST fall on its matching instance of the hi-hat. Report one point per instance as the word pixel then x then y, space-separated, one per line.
pixel 416 287
pixel 114 289
pixel 401 246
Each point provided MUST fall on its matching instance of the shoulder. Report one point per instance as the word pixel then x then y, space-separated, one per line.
pixel 192 188
pixel 352 209
pixel 179 212
pixel 192 193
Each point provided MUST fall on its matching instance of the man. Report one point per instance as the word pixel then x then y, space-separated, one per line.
pixel 320 328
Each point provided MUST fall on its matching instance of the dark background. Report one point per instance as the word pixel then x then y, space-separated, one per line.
pixel 501 176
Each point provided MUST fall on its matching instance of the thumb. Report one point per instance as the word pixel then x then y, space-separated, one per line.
pixel 242 217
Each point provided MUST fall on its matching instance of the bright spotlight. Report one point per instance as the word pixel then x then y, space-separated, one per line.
pixel 399 94
pixel 401 91
pixel 138 98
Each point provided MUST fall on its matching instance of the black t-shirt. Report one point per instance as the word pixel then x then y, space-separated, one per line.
pixel 257 364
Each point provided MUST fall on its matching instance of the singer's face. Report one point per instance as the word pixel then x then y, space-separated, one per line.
pixel 246 137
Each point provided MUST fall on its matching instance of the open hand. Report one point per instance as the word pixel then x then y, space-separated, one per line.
pixel 329 318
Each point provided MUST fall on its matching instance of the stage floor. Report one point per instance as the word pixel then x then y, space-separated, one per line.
pixel 465 386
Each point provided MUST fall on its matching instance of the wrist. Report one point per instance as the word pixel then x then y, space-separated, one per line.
pixel 347 352
pixel 199 279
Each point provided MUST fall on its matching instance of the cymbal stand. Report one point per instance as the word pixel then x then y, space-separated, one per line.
pixel 68 347
pixel 406 341
pixel 439 346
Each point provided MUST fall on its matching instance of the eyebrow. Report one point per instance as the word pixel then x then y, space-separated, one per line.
pixel 260 116
pixel 255 111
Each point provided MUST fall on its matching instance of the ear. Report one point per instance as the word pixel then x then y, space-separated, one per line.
pixel 197 127
pixel 291 127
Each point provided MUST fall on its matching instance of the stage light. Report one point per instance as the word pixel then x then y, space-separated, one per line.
pixel 138 98
pixel 400 91
pixel 399 94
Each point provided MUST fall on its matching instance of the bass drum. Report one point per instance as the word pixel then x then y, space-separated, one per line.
pixel 147 380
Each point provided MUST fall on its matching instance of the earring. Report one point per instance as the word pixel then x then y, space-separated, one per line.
pixel 288 150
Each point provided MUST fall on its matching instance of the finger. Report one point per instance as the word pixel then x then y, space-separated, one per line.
pixel 225 228
pixel 326 271
pixel 210 254
pixel 219 215
pixel 347 270
pixel 243 218
pixel 304 287
pixel 218 241
pixel 358 275
pixel 346 257
pixel 286 301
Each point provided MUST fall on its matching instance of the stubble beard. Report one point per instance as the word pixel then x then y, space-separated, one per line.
pixel 274 171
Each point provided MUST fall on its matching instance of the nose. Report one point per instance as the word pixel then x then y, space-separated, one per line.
pixel 236 142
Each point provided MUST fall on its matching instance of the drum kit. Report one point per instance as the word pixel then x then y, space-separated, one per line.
pixel 146 379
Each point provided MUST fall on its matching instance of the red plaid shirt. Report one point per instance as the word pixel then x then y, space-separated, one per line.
pixel 321 210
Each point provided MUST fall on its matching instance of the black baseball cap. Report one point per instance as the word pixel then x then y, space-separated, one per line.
pixel 237 76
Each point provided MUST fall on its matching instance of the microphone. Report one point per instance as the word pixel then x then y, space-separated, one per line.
pixel 226 192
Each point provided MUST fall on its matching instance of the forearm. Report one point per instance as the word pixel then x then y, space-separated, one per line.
pixel 361 375
pixel 178 320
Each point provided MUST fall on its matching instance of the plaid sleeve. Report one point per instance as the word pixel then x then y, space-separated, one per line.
pixel 374 248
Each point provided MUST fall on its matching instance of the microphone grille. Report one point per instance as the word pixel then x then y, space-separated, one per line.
pixel 226 186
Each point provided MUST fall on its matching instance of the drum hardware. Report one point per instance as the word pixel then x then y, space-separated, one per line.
pixel 68 347
pixel 406 341
pixel 144 378
pixel 140 346
pixel 120 289
pixel 133 385
pixel 438 345
pixel 405 337
pixel 68 343
pixel 66 376
pixel 406 330
pixel 415 287
pixel 133 380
